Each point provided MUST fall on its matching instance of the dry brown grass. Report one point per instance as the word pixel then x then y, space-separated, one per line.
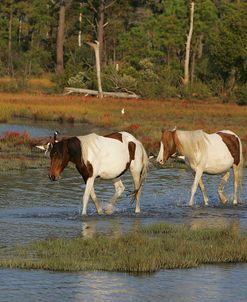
pixel 44 81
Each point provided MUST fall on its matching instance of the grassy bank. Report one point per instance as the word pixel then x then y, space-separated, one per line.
pixel 153 248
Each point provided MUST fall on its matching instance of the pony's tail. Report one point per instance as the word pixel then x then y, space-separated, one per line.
pixel 240 166
pixel 144 171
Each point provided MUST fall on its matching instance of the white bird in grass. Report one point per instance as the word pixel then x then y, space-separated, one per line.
pixel 122 111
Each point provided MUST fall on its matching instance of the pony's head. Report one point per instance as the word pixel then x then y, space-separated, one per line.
pixel 59 159
pixel 167 145
pixel 58 153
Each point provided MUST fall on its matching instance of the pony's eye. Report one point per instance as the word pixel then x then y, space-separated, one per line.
pixel 54 154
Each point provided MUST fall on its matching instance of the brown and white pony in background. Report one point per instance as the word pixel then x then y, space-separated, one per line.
pixel 107 157
pixel 214 153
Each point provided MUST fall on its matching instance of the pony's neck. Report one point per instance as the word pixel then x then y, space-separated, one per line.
pixel 177 142
pixel 74 150
pixel 190 142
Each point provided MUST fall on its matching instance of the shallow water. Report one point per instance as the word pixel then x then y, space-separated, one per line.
pixel 32 207
pixel 39 128
pixel 208 283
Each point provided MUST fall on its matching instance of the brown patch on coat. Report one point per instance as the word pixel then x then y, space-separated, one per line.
pixel 75 151
pixel 232 144
pixel 89 169
pixel 132 150
pixel 116 135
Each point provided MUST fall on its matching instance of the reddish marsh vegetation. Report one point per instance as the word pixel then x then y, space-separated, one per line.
pixel 143 118
pixel 16 138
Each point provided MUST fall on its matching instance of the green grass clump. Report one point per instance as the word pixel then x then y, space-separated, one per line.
pixel 155 247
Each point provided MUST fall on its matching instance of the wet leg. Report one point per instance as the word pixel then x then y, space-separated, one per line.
pixel 136 179
pixel 96 202
pixel 236 182
pixel 89 186
pixel 119 188
pixel 221 193
pixel 198 176
pixel 204 194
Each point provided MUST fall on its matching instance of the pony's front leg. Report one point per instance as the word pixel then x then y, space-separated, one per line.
pixel 119 187
pixel 96 202
pixel 198 176
pixel 88 189
pixel 204 194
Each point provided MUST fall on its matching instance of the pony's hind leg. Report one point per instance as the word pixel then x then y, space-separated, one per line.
pixel 119 188
pixel 204 194
pixel 96 202
pixel 136 178
pixel 221 193
pixel 236 183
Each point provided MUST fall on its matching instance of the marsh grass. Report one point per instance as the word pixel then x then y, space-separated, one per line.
pixel 143 118
pixel 155 247
pixel 17 153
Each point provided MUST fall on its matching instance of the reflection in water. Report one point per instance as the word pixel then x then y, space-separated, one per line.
pixel 114 227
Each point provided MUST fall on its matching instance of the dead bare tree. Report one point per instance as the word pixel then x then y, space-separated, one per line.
pixel 101 27
pixel 186 79
pixel 96 48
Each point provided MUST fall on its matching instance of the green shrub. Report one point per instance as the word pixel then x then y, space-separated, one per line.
pixel 80 80
pixel 200 90
pixel 241 95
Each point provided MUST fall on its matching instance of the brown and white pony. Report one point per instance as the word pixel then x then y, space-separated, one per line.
pixel 214 153
pixel 107 157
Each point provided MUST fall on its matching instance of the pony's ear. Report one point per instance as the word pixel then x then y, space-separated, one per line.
pixel 55 136
pixel 163 130
pixel 47 147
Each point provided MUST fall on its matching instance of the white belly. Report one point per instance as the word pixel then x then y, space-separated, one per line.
pixel 109 169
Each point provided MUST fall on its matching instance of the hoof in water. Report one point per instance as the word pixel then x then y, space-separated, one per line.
pixel 100 212
pixel 110 209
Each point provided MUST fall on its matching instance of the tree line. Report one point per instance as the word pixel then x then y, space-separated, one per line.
pixel 155 48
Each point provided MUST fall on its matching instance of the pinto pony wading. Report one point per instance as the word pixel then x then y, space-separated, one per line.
pixel 214 153
pixel 107 157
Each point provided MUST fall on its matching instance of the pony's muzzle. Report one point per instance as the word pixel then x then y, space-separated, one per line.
pixel 160 161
